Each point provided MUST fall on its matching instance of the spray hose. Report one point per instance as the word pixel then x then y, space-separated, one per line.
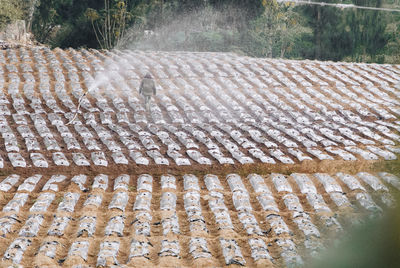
pixel 77 109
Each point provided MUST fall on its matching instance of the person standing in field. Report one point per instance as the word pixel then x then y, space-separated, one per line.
pixel 147 89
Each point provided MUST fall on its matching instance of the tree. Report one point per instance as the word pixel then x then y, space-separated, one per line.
pixel 276 30
pixel 340 34
pixel 10 11
pixel 29 7
pixel 62 23
pixel 109 25
pixel 366 29
pixel 392 48
pixel 323 20
pixel 45 20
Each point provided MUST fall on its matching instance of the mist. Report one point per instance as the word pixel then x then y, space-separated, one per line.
pixel 207 29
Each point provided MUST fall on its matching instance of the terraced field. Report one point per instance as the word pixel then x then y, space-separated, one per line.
pixel 239 161
pixel 182 221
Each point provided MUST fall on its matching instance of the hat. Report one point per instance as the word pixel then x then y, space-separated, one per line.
pixel 148 75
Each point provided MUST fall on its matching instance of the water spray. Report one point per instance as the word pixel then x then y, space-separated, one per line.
pixel 100 79
pixel 94 85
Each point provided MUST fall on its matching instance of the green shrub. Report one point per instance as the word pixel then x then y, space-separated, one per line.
pixel 10 11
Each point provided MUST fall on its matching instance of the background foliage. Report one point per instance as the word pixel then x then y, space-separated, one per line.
pixel 10 10
pixel 262 28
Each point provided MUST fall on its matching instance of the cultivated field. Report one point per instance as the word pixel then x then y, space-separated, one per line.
pixel 239 161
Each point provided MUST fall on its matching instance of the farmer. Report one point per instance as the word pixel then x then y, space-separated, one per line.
pixel 147 89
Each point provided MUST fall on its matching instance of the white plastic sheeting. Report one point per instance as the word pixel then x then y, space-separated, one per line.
pixel 32 226
pixel 198 248
pixel 15 204
pixel 389 178
pixel 87 226
pixel 281 183
pixel 168 181
pixel 60 159
pixel 119 201
pixel 329 183
pixel 145 182
pixel 258 184
pixel 99 159
pixel 58 225
pixel 107 255
pixel 212 183
pixel 79 250
pixel 16 160
pixel 198 157
pixel 16 250
pixel 305 183
pixel 38 160
pixel 168 201
pixel 52 185
pixel 43 202
pixel 350 181
pixel 80 159
pixel 231 252
pixel 169 248
pixel 9 182
pixel 259 249
pixel 366 201
pixel 122 182
pixel 372 181
pixel 289 252
pixel 139 249
pixel 143 201
pixel 100 182
pixel 190 182
pixel 48 249
pixel 93 200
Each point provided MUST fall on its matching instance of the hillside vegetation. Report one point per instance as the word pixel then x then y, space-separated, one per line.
pixel 261 28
